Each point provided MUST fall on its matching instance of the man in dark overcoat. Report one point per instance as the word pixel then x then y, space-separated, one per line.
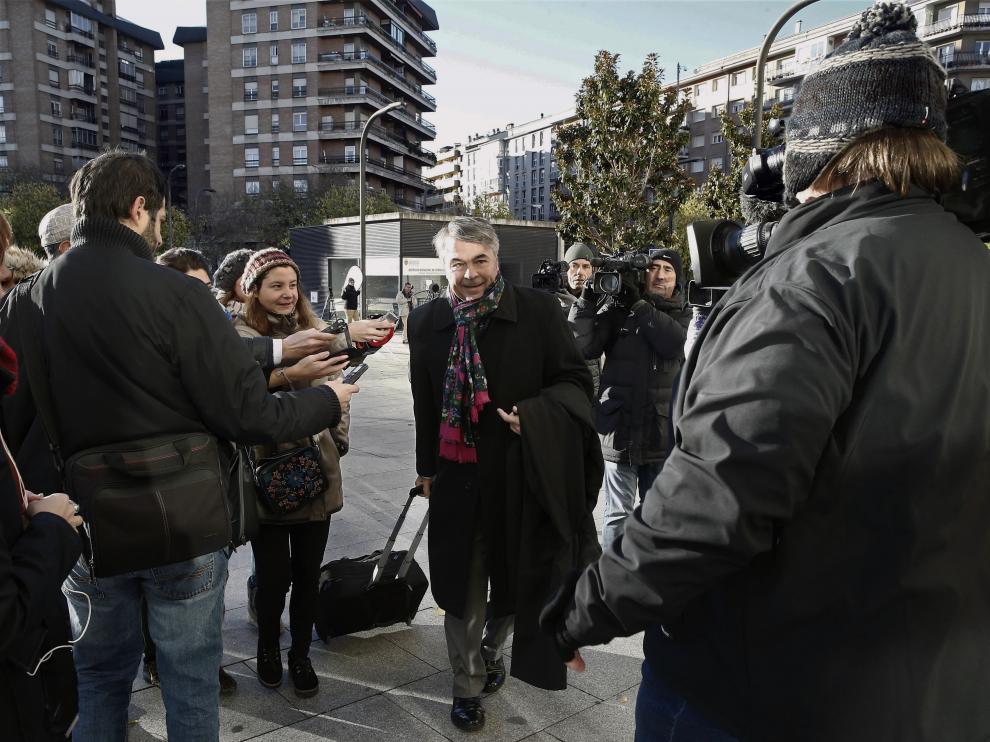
pixel 481 357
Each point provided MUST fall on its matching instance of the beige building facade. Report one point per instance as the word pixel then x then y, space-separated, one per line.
pixel 85 81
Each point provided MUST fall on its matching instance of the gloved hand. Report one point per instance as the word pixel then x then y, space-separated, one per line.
pixel 553 614
pixel 630 292
pixel 589 294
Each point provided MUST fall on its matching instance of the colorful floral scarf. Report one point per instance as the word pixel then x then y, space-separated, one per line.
pixel 465 386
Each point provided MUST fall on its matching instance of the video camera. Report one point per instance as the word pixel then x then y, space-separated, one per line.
pixel 608 277
pixel 552 276
pixel 722 250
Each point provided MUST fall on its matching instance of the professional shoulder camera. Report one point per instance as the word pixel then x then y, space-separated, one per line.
pixel 608 277
pixel 552 276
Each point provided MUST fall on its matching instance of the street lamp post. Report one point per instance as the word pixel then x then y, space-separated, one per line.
pixel 361 197
pixel 168 206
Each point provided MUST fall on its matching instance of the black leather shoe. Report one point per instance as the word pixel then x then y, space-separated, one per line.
pixel 227 683
pixel 270 666
pixel 496 675
pixel 303 676
pixel 467 714
pixel 151 671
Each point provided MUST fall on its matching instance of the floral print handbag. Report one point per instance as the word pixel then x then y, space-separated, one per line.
pixel 290 479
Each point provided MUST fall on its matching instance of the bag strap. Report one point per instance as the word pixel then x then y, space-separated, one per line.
pixel 387 551
pixel 32 347
pixel 407 562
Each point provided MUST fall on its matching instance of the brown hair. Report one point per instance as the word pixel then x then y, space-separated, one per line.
pixel 898 158
pixel 6 235
pixel 184 259
pixel 256 315
pixel 107 186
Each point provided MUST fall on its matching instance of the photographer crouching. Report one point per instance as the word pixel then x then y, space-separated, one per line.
pixel 816 547
pixel 642 337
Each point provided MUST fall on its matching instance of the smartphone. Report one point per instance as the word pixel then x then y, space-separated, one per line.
pixel 391 317
pixel 353 354
pixel 353 374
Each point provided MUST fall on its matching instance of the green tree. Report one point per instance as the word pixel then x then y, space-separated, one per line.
pixel 25 205
pixel 620 180
pixel 342 201
pixel 693 209
pixel 181 229
pixel 489 207
pixel 720 191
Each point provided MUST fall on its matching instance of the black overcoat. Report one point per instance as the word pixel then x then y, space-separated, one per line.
pixel 525 348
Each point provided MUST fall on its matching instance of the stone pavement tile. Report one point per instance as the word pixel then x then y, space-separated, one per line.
pixel 515 712
pixel 250 711
pixel 375 719
pixel 354 667
pixel 607 673
pixel 423 639
pixel 613 720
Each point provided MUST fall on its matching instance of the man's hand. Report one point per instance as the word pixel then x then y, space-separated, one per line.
pixel 512 420
pixel 369 330
pixel 344 392
pixel 57 504
pixel 576 663
pixel 630 292
pixel 424 482
pixel 305 343
pixel 315 366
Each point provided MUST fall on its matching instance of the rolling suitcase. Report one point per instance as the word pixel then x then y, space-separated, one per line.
pixel 378 589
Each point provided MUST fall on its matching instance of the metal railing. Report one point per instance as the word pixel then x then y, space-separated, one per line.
pixel 362 21
pixel 965 59
pixel 362 91
pixel 374 162
pixel 363 56
pixel 85 60
pixel 971 20
pixel 394 139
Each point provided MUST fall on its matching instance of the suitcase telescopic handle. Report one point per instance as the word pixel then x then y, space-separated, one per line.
pixel 407 562
pixel 387 551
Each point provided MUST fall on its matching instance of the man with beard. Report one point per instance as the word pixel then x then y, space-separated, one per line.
pixel 136 350
pixel 642 336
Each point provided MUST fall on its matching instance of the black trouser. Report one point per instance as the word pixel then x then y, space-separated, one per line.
pixel 285 555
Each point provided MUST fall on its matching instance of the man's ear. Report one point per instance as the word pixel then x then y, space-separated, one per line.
pixel 137 206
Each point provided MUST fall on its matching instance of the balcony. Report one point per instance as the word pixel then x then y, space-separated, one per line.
pixel 964 59
pixel 338 96
pixel 415 33
pixel 410 176
pixel 85 60
pixel 352 130
pixel 363 58
pixel 971 22
pixel 791 71
pixel 348 24
pixel 89 118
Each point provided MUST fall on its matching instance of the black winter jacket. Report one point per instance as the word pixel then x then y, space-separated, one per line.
pixel 816 544
pixel 136 350
pixel 644 350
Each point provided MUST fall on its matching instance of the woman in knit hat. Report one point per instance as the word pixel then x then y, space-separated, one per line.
pixel 227 281
pixel 276 308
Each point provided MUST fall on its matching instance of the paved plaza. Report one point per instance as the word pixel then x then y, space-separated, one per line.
pixel 394 683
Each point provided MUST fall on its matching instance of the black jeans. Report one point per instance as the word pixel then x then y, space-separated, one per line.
pixel 283 556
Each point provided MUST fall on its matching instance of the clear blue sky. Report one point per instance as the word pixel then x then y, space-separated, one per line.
pixel 504 60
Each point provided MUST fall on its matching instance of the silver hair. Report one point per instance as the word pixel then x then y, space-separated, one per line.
pixel 466 229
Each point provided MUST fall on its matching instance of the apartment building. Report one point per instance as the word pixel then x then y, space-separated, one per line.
pixel 291 85
pixel 85 81
pixel 445 180
pixel 958 31
pixel 170 81
pixel 516 165
pixel 195 123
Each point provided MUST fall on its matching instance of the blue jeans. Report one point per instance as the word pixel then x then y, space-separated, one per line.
pixel 185 610
pixel 620 485
pixel 664 716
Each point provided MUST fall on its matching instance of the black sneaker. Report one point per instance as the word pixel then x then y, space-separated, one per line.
pixel 270 666
pixel 303 676
pixel 227 683
pixel 467 714
pixel 495 678
pixel 151 671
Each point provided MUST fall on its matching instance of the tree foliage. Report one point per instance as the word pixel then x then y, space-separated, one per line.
pixel 490 207
pixel 181 230
pixel 342 201
pixel 619 175
pixel 720 192
pixel 25 205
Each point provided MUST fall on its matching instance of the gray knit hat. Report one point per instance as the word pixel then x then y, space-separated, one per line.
pixel 579 251
pixel 231 269
pixel 883 75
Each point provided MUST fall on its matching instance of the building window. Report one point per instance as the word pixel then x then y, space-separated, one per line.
pixel 698 116
pixel 298 52
pixel 273 20
pixel 983 48
pixel 274 89
pixel 251 157
pixel 350 153
pixel 698 141
pixel 180 91
pixel 57 109
pixel 946 52
pixel 715 163
pixel 251 123
pixel 249 56
pixel 785 95
pixel 273 54
pixel 300 154
pixel 299 121
pixel 717 138
pixel 298 18
pixel 715 83
pixel 163 90
pixel 718 110
pixel 980 83
pixel 128 95
pixel 51 19
pixel 532 178
pixel 249 22
pixel 2 109
pixel 300 185
pixel 543 174
pixel 397 33
pixel 57 136
pixel 58 164
pixel 252 187
pixel 126 69
pixel 163 133
pixel 53 78
pixel 180 113
pixel 736 106
pixel 738 78
pixel 52 48
pixel 251 91
pixel 139 81
pixel 700 90
pixel 81 24
pixel 697 166
pixel 3 133
pixel 77 79
pixel 299 87
pixel 163 113
pixel 4 163
pixel 83 137
pixel 276 156
pixel 276 126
